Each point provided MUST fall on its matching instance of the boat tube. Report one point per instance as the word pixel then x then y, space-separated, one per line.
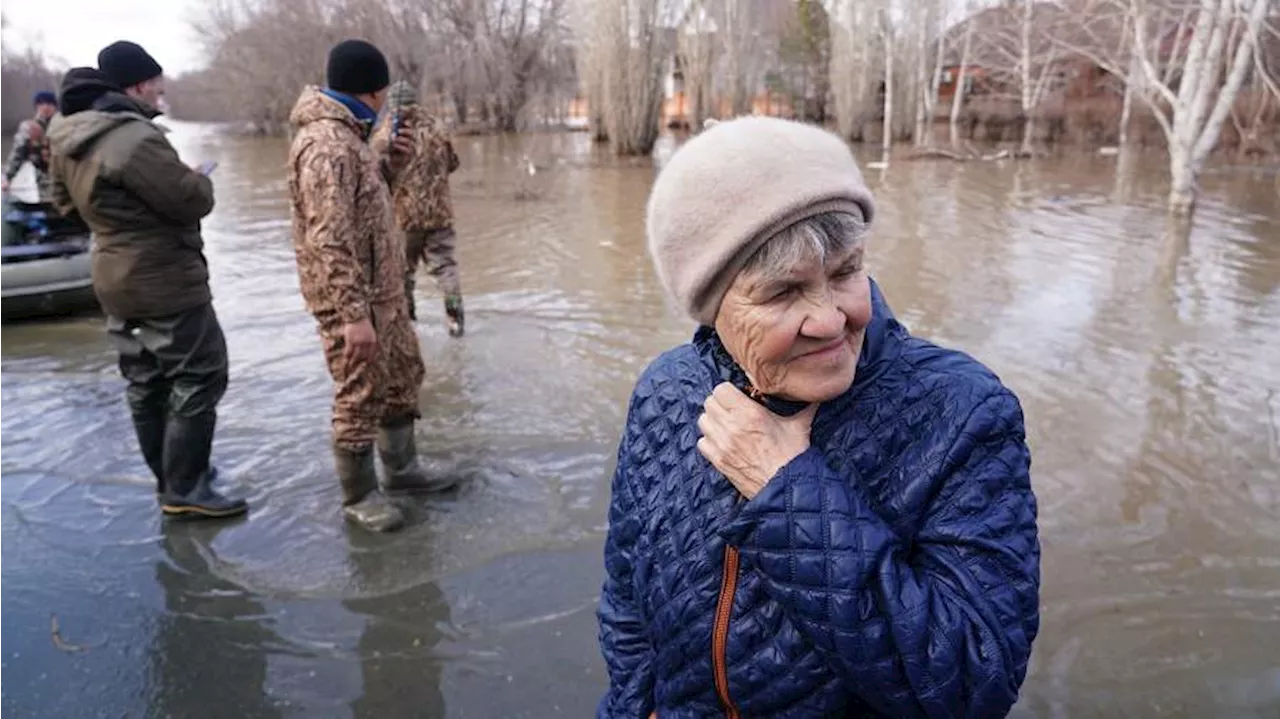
pixel 44 263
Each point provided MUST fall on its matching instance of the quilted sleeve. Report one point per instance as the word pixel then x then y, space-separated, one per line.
pixel 935 625
pixel 627 652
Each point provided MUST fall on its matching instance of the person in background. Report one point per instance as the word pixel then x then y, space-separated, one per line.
pixel 113 165
pixel 814 513
pixel 31 143
pixel 422 206
pixel 351 268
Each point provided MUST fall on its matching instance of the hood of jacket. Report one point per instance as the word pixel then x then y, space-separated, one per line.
pixel 314 105
pixel 91 106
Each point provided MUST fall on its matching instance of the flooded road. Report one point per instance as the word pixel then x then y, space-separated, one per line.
pixel 1144 355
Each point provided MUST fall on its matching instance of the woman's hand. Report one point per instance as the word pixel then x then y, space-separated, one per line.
pixel 747 442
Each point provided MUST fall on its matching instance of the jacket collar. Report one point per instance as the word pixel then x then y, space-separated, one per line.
pixel 880 346
pixel 365 116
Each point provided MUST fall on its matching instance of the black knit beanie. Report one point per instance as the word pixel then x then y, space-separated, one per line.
pixel 357 68
pixel 127 64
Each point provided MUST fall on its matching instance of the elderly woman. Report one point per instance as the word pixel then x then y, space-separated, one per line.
pixel 814 513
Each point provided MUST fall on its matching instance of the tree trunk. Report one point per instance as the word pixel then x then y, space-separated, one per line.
pixel 919 72
pixel 886 142
pixel 1182 186
pixel 1126 111
pixel 961 81
pixel 854 73
pixel 1130 83
pixel 1197 123
pixel 1025 67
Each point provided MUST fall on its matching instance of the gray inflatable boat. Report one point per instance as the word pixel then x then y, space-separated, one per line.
pixel 44 263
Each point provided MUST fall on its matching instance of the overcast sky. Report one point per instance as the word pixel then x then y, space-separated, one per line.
pixel 74 30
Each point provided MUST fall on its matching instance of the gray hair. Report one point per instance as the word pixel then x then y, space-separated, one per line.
pixel 815 238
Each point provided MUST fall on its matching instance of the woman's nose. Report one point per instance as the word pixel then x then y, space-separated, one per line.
pixel 825 319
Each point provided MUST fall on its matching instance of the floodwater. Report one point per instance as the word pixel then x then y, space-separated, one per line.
pixel 1144 354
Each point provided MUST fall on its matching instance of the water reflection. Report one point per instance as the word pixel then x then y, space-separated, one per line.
pixel 400 671
pixel 209 652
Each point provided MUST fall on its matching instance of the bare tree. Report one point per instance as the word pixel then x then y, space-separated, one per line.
pixel 498 58
pixel 699 52
pixel 854 65
pixel 21 75
pixel 1189 61
pixel 931 49
pixel 499 54
pixel 632 41
pixel 962 77
pixel 888 38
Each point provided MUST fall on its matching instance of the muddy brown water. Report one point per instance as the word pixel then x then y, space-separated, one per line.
pixel 1145 356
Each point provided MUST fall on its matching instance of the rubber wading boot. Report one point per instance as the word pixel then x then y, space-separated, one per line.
pixel 362 503
pixel 399 453
pixel 188 477
pixel 150 430
pixel 453 313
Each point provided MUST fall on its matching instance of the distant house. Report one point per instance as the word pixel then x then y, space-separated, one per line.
pixel 995 53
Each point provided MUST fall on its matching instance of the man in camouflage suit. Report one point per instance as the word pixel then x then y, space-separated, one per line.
pixel 31 143
pixel 422 205
pixel 351 267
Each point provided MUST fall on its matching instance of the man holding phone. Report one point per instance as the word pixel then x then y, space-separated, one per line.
pixel 114 167
pixel 351 269
pixel 422 205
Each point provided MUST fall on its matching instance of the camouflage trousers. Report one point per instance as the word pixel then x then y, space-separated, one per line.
pixel 435 247
pixel 372 394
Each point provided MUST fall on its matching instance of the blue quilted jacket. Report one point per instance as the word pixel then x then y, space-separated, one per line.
pixel 891 570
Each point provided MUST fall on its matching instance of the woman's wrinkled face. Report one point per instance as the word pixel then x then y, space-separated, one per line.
pixel 798 333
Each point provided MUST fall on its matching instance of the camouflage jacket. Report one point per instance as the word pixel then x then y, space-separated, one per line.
pixel 422 193
pixel 30 144
pixel 350 254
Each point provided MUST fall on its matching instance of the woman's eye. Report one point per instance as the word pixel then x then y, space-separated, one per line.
pixel 782 294
pixel 846 272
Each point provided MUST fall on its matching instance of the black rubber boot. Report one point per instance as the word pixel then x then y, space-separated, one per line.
pixel 453 313
pixel 147 397
pixel 187 475
pixel 362 503
pixel 399 453
pixel 150 431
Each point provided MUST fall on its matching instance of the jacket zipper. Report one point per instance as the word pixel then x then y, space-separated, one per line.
pixel 720 636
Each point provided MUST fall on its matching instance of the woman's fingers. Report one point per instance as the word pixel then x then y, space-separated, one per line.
pixel 709 450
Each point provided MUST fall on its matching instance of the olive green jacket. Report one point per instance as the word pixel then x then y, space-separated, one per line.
pixel 113 166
